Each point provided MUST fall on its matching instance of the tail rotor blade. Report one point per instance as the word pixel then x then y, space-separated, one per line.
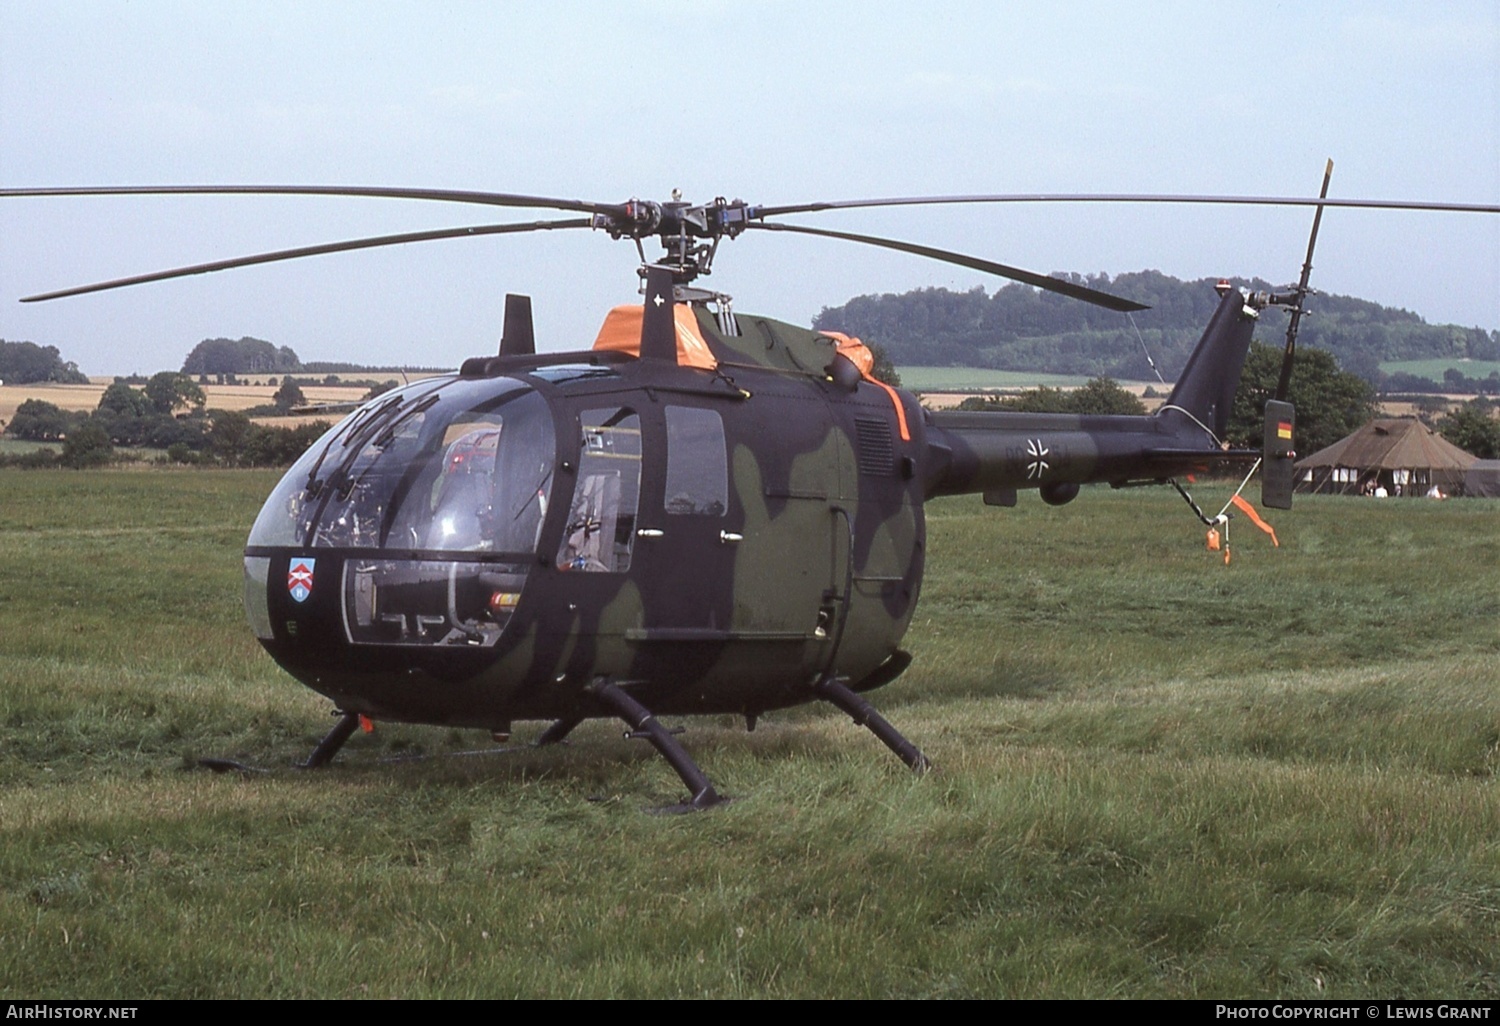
pixel 1295 318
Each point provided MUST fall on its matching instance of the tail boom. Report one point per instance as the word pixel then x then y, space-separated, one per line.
pixel 997 453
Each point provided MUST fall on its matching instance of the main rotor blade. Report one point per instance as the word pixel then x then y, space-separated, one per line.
pixel 304 251
pixel 1041 281
pixel 493 199
pixel 1264 201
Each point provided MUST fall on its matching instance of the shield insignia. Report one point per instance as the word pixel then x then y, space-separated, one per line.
pixel 299 578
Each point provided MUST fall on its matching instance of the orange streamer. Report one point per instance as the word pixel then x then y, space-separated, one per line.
pixel 1255 519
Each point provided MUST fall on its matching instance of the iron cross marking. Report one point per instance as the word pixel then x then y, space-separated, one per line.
pixel 1038 466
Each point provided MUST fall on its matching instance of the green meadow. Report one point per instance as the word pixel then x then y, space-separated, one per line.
pixel 1434 368
pixel 1157 776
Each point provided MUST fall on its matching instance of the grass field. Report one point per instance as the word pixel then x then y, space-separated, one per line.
pixel 1157 776
pixel 1433 369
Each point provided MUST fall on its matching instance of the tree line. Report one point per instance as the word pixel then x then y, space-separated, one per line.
pixel 26 363
pixel 224 358
pixel 1330 402
pixel 168 413
pixel 1021 328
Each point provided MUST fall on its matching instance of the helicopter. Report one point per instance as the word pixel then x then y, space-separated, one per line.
pixel 706 512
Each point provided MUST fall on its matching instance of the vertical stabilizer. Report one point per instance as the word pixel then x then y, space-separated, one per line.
pixel 1207 384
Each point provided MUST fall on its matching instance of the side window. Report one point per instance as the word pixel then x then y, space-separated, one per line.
pixel 697 463
pixel 601 521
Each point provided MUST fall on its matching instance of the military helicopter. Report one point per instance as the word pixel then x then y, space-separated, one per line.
pixel 706 512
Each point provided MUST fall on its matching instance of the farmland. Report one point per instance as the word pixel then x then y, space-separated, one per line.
pixel 220 397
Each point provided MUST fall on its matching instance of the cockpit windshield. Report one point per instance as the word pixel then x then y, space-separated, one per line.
pixel 441 465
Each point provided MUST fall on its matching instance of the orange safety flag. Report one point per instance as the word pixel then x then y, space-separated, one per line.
pixel 1255 519
pixel 621 332
pixel 859 354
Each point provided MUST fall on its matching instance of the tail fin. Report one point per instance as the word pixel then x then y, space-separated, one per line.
pixel 1205 389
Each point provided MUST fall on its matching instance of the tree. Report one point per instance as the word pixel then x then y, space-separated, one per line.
pixel 122 400
pixel 1020 328
pixel 1473 428
pixel 1098 395
pixel 39 421
pixel 238 356
pixel 1103 395
pixel 26 362
pixel 1330 402
pixel 86 446
pixel 169 390
pixel 289 395
pixel 884 369
pixel 1036 400
pixel 228 436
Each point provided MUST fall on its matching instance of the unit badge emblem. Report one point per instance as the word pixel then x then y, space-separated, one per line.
pixel 299 578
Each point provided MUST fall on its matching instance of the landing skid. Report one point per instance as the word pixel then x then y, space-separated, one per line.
pixel 330 745
pixel 646 726
pixel 231 766
pixel 559 730
pixel 321 755
pixel 830 690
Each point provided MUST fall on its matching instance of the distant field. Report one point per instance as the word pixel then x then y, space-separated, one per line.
pixel 68 397
pixel 221 397
pixel 20 447
pixel 1157 776
pixel 1433 369
pixel 974 379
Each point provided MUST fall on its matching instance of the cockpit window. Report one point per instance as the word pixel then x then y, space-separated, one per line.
pixel 601 521
pixel 462 503
pixel 457 465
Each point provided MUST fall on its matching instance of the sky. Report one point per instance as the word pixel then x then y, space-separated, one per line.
pixel 774 102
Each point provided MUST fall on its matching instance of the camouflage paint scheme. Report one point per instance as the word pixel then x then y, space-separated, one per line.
pixel 812 568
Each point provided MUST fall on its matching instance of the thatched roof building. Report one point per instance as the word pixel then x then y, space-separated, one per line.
pixel 1405 457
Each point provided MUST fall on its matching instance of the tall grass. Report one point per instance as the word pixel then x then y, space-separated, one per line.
pixel 1157 776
